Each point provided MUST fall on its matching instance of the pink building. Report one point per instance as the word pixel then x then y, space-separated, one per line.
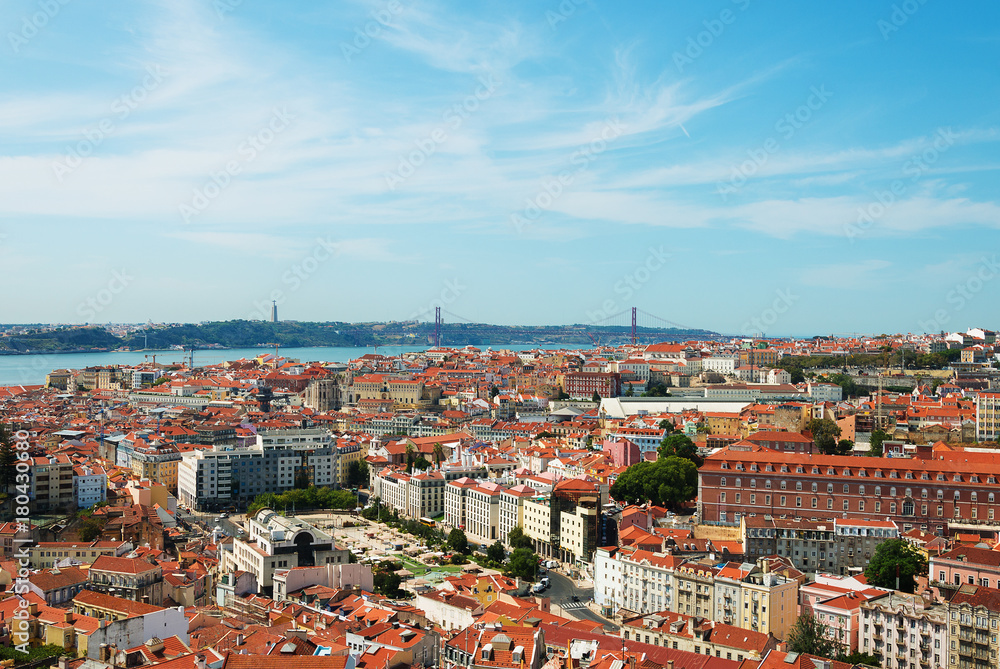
pixel 976 566
pixel 623 452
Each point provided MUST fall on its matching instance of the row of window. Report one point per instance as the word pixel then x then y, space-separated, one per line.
pixel 863 473
pixel 782 485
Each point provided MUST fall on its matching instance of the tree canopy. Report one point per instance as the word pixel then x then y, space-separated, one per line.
pixel 312 497
pixel 457 541
pixel 679 445
pixel 516 538
pixel 496 553
pixel 669 481
pixel 892 558
pixel 825 433
pixel 523 563
pixel 877 440
pixel 808 635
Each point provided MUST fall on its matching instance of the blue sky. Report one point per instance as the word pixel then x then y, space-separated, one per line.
pixel 792 168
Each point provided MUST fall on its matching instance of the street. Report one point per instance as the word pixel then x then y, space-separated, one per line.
pixel 561 591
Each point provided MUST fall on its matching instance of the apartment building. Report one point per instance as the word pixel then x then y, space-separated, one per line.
pixel 128 578
pixel 279 461
pixel 413 495
pixel 928 494
pixel 966 565
pixel 47 554
pixel 906 631
pixel 157 462
pixel 987 416
pixel 751 596
pixel 973 622
pixel 838 546
pixel 585 384
pixel 90 486
pixel 698 635
pixel 52 483
pixel 512 508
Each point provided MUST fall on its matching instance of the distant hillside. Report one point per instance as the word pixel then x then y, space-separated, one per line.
pixel 238 334
pixel 69 339
pixel 291 334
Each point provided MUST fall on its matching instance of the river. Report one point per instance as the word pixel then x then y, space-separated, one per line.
pixel 31 369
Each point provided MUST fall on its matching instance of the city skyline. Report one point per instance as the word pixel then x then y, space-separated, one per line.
pixel 817 170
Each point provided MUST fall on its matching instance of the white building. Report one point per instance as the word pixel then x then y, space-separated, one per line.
pixel 90 486
pixel 720 365
pixel 905 628
pixel 824 392
pixel 279 542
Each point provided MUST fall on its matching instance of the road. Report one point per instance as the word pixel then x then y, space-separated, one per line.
pixel 561 591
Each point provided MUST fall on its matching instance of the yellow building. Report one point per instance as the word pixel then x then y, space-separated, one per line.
pixel 157 463
pixel 769 603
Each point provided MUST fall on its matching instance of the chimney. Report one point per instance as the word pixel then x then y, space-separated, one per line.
pixel 239 639
pixel 68 617
pixel 199 662
pixel 33 609
pixel 670 664
pixel 63 662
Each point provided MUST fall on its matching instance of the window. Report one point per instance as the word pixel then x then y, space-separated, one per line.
pixel 722 481
pixel 829 503
pixel 798 485
pixel 861 505
pixel 798 501
pixel 847 488
pixel 878 490
pixel 783 485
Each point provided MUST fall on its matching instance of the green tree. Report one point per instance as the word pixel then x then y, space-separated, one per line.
pixel 857 657
pixel 410 456
pixel 825 433
pixel 596 397
pixel 386 583
pixel 496 553
pixel 894 560
pixel 669 482
pixel 516 538
pixel 494 391
pixel 422 463
pixel 845 447
pixel 523 563
pixel 808 635
pixel 877 440
pixel 90 529
pixel 679 445
pixel 629 392
pixel 457 541
pixel 357 473
pixel 459 559
pixel 438 455
pixel 658 389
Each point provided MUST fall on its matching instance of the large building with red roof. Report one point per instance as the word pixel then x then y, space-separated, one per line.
pixel 934 494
